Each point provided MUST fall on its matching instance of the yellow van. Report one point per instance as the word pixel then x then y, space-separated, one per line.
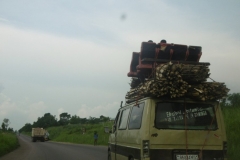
pixel 167 129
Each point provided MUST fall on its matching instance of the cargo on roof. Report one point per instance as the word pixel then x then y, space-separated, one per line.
pixel 174 71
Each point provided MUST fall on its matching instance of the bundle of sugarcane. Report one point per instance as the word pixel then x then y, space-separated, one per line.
pixel 208 91
pixel 178 88
pixel 168 71
pixel 190 73
pixel 155 88
pixel 158 88
pixel 195 73
pixel 173 80
pixel 132 93
pixel 135 82
pixel 148 88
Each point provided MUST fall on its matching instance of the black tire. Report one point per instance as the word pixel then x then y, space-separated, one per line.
pixel 131 158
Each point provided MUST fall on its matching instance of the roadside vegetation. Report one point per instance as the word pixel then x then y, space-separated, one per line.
pixel 231 111
pixel 232 124
pixel 8 142
pixel 79 134
pixel 73 129
pixel 73 133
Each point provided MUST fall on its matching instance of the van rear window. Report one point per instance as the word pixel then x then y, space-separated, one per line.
pixel 198 116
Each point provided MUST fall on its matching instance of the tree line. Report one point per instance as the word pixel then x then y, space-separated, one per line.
pixel 6 122
pixel 232 100
pixel 49 120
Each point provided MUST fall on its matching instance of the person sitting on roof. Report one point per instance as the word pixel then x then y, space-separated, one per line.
pixel 163 45
pixel 165 50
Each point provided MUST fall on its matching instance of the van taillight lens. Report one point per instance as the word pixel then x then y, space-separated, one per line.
pixel 145 145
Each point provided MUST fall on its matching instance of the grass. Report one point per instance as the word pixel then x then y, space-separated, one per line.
pixel 8 142
pixel 74 133
pixel 232 124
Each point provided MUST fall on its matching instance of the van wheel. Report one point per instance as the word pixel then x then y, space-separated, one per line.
pixel 131 158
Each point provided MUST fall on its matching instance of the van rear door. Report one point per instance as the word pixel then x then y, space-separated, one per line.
pixel 186 127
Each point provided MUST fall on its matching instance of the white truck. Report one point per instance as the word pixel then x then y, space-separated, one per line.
pixel 38 134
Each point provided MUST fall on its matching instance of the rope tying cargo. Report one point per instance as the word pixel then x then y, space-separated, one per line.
pixel 207 135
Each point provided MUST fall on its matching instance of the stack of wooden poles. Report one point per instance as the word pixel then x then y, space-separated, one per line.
pixel 178 80
pixel 208 91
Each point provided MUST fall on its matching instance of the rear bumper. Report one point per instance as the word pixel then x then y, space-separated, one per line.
pixel 172 154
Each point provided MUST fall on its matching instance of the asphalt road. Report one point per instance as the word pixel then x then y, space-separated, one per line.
pixel 48 150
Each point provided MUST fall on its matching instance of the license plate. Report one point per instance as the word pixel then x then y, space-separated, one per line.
pixel 187 157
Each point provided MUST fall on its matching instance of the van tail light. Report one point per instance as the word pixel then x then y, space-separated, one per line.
pixel 145 146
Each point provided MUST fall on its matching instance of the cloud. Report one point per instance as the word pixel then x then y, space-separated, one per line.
pixel 60 110
pixel 76 60
pixel 1 87
pixel 55 54
pixel 65 73
pixel 109 110
pixel 4 20
pixel 21 112
pixel 6 105
pixel 35 110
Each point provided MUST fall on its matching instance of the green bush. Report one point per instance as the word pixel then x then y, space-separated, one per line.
pixel 74 133
pixel 232 124
pixel 8 142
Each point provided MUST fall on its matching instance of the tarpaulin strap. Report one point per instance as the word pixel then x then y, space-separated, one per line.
pixel 200 154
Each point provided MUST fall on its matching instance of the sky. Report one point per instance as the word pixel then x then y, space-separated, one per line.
pixel 73 56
